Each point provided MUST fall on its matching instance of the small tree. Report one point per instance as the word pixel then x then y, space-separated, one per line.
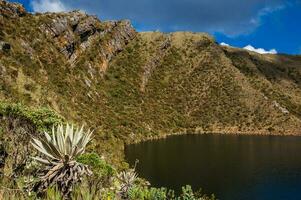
pixel 59 151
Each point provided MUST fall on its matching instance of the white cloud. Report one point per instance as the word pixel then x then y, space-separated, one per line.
pixel 225 44
pixel 257 20
pixel 251 48
pixel 48 6
pixel 260 50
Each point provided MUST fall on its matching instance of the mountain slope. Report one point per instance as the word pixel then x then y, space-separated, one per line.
pixel 131 86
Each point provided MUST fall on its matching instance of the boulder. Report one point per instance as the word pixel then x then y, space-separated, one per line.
pixel 59 26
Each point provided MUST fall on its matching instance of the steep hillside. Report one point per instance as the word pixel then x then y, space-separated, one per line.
pixel 131 86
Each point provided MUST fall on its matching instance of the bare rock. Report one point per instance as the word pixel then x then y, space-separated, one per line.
pixel 75 32
pixel 11 10
pixel 59 26
pixel 66 28
pixel 281 108
pixel 86 28
pixel 122 33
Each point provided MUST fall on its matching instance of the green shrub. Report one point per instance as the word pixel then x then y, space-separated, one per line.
pixel 189 194
pixel 42 118
pixel 144 193
pixel 99 167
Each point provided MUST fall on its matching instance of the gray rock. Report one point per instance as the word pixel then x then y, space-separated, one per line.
pixel 69 48
pixel 75 17
pixel 59 26
pixel 74 32
pixel 86 27
pixel 11 10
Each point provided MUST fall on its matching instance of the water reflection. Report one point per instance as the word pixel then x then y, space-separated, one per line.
pixel 232 167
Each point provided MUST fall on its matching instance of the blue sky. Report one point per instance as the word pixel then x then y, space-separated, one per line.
pixel 266 24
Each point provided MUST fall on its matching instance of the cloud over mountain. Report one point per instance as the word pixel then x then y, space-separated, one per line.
pixel 48 6
pixel 251 48
pixel 260 50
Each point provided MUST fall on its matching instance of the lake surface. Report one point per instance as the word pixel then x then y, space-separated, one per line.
pixel 230 166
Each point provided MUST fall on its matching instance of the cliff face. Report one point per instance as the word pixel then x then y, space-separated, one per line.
pixel 136 85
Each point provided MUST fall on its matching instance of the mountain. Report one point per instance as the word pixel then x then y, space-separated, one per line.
pixel 131 85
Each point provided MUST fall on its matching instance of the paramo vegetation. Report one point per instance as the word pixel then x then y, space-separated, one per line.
pixel 127 86
pixel 60 167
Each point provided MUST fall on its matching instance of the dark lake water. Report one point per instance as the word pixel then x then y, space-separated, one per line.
pixel 232 167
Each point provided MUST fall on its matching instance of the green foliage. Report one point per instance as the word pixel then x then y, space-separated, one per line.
pixel 41 118
pixel 53 194
pixel 99 166
pixel 86 191
pixel 127 179
pixel 92 189
pixel 187 193
pixel 144 193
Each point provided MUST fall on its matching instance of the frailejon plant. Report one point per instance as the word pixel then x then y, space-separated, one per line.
pixel 59 151
pixel 127 180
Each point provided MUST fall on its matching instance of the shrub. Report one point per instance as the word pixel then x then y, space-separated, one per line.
pixel 41 118
pixel 144 193
pixel 127 180
pixel 99 166
pixel 103 172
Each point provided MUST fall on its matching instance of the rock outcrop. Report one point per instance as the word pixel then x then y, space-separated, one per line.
pixel 155 60
pixel 11 10
pixel 75 32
